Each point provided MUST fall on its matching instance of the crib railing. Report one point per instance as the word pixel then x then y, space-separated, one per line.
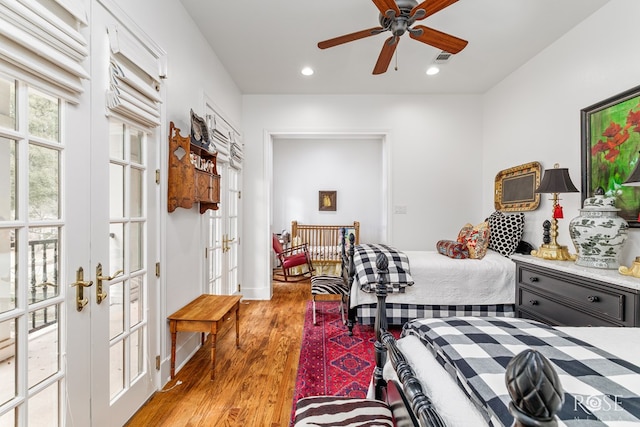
pixel 324 241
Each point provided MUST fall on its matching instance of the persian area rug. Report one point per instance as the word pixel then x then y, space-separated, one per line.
pixel 332 362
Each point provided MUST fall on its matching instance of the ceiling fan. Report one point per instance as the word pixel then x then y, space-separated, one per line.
pixel 398 16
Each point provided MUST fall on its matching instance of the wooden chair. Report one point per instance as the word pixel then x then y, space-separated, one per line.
pixel 296 256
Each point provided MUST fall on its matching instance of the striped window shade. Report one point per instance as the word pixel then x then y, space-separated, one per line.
pixel 135 75
pixel 41 43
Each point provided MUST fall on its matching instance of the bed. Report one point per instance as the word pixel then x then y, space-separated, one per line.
pixel 442 286
pixel 482 371
pixel 324 243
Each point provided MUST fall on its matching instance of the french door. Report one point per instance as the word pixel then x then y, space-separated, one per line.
pixel 35 332
pixel 124 227
pixel 73 198
pixel 222 248
pixel 111 283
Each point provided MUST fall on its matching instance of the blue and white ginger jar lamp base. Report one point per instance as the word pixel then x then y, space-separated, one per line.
pixel 599 233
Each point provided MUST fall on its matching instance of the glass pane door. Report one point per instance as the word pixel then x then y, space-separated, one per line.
pixel 31 254
pixel 120 326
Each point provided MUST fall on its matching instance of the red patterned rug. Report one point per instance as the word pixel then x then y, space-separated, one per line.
pixel 332 362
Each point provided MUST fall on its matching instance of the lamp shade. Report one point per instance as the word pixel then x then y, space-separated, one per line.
pixel 556 180
pixel 634 178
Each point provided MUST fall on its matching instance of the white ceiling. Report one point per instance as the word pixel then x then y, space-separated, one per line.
pixel 263 44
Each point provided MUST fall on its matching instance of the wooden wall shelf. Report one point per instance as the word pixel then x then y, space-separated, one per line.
pixel 193 174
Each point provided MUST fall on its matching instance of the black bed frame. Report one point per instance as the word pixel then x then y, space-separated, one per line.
pixel 532 382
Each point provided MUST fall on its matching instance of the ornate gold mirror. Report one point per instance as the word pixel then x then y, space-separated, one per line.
pixel 515 188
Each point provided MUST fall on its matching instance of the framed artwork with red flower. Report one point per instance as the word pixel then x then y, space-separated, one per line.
pixel 610 145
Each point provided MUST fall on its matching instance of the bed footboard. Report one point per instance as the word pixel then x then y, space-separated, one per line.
pixel 532 382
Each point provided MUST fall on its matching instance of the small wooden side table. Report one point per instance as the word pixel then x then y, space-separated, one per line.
pixel 207 313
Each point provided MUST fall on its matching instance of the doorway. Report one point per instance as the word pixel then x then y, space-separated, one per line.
pixel 320 159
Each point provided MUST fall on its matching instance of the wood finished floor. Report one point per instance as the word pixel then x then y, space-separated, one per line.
pixel 253 385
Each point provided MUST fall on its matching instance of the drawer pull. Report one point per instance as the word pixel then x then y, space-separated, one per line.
pixel 593 298
pixel 533 302
pixel 533 279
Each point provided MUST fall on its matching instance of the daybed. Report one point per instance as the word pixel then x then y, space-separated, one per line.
pixel 441 286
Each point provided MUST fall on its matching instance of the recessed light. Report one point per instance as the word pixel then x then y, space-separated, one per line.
pixel 433 70
pixel 307 71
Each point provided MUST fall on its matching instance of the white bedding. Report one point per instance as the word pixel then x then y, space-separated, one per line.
pixel 451 402
pixel 440 280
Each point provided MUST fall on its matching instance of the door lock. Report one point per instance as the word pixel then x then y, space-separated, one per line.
pixel 100 294
pixel 80 284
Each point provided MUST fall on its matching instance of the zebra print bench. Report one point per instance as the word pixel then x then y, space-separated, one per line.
pixel 317 411
pixel 329 285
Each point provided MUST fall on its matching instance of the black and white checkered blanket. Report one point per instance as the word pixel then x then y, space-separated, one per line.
pixel 600 389
pixel 364 259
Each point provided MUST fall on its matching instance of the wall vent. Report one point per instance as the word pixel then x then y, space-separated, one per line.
pixel 443 57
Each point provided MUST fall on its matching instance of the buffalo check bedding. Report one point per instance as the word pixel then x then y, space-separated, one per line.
pixel 600 388
pixel 364 260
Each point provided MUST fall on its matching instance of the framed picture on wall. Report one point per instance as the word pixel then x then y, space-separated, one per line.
pixel 327 200
pixel 610 144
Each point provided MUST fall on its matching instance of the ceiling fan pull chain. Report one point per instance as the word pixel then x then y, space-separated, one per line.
pixel 396 67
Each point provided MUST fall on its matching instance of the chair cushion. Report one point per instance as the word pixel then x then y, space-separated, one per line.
pixel 327 285
pixel 275 242
pixel 336 411
pixel 295 260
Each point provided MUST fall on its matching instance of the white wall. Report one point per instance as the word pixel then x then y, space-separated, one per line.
pixel 352 167
pixel 434 158
pixel 594 61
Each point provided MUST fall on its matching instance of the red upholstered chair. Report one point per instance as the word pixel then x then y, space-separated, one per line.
pixel 296 256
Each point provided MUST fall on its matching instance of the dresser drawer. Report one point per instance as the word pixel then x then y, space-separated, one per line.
pixel 540 307
pixel 600 301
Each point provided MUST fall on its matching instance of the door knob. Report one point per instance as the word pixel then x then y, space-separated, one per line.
pixel 80 284
pixel 100 294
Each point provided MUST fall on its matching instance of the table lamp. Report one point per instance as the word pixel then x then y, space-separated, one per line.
pixel 555 181
pixel 633 181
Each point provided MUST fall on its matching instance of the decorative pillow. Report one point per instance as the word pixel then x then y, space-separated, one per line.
pixel 476 238
pixel 506 232
pixel 452 249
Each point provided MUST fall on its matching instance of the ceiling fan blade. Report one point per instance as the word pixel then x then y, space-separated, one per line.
pixel 350 37
pixel 429 7
pixel 384 59
pixel 385 6
pixel 438 39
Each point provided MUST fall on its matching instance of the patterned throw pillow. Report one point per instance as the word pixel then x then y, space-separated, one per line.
pixel 476 238
pixel 506 232
pixel 452 249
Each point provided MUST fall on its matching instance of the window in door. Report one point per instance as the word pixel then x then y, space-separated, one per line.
pixel 31 230
pixel 127 253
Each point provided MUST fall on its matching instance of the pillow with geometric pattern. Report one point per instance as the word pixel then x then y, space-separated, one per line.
pixel 476 238
pixel 506 232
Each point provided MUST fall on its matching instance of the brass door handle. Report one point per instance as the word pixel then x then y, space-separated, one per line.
pixel 100 294
pixel 225 243
pixel 80 284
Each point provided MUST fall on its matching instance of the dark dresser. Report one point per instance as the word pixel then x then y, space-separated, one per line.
pixel 563 293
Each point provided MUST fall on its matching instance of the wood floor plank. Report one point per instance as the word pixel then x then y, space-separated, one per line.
pixel 253 385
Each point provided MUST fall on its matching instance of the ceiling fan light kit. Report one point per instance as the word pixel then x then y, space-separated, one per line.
pixel 398 16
